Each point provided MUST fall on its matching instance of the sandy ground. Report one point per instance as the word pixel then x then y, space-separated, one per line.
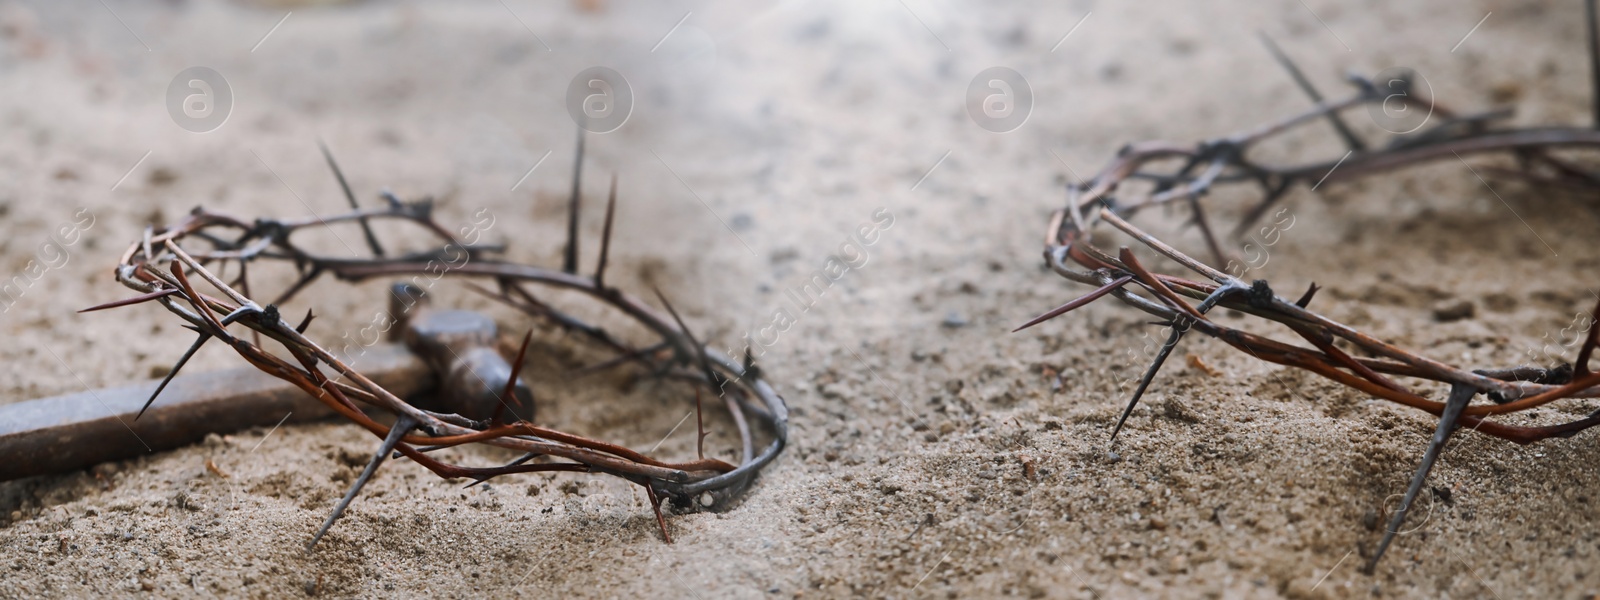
pixel 762 135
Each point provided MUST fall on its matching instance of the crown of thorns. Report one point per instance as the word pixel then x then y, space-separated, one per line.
pixel 163 264
pixel 1365 362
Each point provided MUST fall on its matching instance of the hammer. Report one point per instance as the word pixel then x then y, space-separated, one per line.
pixel 452 353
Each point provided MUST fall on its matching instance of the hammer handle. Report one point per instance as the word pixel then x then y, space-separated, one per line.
pixel 74 431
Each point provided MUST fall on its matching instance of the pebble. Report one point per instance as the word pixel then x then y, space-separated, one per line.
pixel 954 320
pixel 1178 564
pixel 1445 312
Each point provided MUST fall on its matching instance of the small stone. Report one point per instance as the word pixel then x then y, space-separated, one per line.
pixel 1178 564
pixel 159 371
pixel 954 320
pixel 1157 523
pixel 1446 312
pixel 1370 520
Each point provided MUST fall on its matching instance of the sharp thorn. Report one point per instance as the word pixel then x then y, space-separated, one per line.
pixel 700 426
pixel 1074 304
pixel 569 263
pixel 1144 382
pixel 1305 299
pixel 366 228
pixel 700 351
pixel 401 426
pixel 198 342
pixel 1594 57
pixel 655 504
pixel 1350 139
pixel 522 459
pixel 1460 395
pixel 389 198
pixel 1166 350
pixel 129 301
pixel 511 383
pixel 605 237
pixel 316 271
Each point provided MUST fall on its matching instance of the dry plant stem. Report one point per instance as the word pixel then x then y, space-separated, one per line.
pixel 185 249
pixel 1373 366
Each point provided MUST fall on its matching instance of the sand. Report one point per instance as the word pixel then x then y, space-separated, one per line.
pixel 932 454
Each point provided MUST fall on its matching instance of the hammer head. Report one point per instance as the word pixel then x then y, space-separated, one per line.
pixel 462 347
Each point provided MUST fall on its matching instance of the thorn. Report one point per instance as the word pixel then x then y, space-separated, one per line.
pixel 1594 57
pixel 569 264
pixel 1350 139
pixel 130 301
pixel 389 198
pixel 1460 395
pixel 1205 229
pixel 705 365
pixel 305 323
pixel 1166 350
pixel 244 287
pixel 1305 299
pixel 1144 382
pixel 366 228
pixel 700 351
pixel 398 432
pixel 655 504
pixel 1274 194
pixel 605 237
pixel 511 383
pixel 700 425
pixel 1074 304
pixel 615 360
pixel 201 341
pixel 305 280
pixel 522 459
